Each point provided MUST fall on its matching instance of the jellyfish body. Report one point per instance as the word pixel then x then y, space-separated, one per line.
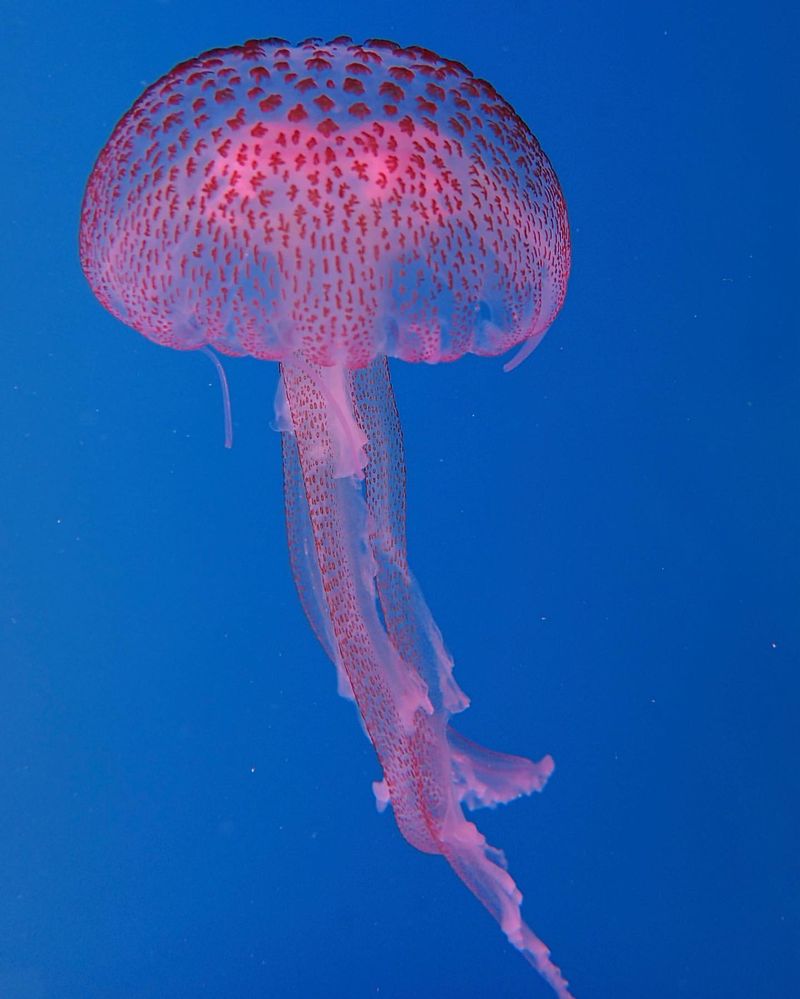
pixel 328 205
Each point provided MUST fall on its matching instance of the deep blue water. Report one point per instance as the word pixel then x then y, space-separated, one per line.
pixel 607 537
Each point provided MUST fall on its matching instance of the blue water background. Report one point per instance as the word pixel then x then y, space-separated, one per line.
pixel 607 537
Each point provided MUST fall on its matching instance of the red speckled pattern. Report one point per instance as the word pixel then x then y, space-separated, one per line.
pixel 335 200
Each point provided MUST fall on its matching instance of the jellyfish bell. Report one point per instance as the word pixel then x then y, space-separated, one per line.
pixel 270 199
pixel 326 206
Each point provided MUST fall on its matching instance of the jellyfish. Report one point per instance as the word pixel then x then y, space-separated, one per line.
pixel 329 205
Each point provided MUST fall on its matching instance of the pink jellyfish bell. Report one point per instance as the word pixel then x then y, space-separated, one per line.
pixel 326 206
